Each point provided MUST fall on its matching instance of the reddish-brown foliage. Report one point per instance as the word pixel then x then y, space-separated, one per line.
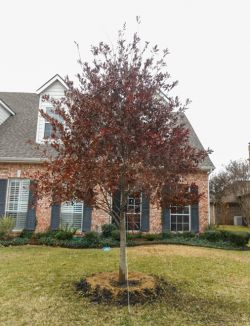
pixel 120 128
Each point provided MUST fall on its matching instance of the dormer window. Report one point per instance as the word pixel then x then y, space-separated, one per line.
pixel 47 124
pixel 55 88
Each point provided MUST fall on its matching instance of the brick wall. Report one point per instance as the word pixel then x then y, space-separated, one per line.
pixel 99 217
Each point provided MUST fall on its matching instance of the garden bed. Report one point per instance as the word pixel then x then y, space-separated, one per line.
pixel 141 288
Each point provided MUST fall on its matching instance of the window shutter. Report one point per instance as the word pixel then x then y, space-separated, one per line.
pixel 55 216
pixel 166 219
pixel 145 214
pixel 116 201
pixel 195 218
pixel 87 217
pixel 31 213
pixel 3 190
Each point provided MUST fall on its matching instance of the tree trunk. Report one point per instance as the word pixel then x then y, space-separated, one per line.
pixel 123 256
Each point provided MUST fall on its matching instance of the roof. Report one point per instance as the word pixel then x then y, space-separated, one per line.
pixel 51 81
pixel 6 107
pixel 207 164
pixel 19 130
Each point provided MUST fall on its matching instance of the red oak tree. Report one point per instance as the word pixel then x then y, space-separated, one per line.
pixel 120 129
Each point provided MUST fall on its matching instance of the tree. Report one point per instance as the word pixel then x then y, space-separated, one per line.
pixel 235 180
pixel 119 129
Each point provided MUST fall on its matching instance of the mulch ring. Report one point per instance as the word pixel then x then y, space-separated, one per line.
pixel 143 288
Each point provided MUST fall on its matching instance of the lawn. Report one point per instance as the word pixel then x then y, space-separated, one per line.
pixel 212 286
pixel 237 228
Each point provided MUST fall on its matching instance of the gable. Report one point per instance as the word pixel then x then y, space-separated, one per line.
pixel 5 111
pixel 55 88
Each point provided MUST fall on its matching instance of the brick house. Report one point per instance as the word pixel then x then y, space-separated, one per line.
pixel 21 122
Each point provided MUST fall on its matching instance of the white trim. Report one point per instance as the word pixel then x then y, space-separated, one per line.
pixel 181 214
pixel 51 81
pixel 208 199
pixel 6 107
pixel 22 160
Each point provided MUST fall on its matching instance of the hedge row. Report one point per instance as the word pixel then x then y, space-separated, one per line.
pixel 110 236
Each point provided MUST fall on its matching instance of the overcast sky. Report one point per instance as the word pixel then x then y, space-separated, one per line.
pixel 209 44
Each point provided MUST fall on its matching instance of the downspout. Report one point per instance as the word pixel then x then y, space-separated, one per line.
pixel 208 198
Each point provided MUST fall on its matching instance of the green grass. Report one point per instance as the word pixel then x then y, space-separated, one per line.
pixel 36 286
pixel 234 228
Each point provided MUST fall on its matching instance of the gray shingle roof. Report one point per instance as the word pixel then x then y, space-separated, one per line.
pixel 194 140
pixel 18 130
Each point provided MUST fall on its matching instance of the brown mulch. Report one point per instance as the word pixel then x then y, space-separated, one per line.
pixel 105 288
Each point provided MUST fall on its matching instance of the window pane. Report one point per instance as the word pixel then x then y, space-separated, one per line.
pixel 47 130
pixel 173 227
pixel 179 227
pixel 133 215
pixel 72 215
pixel 17 202
pixel 179 219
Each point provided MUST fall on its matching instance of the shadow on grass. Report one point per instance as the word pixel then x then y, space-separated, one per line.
pixel 193 307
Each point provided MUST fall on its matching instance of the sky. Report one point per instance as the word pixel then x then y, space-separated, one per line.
pixel 208 41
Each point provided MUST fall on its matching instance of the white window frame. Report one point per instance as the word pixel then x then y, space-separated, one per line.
pixel 71 205
pixel 181 214
pixel 130 196
pixel 9 211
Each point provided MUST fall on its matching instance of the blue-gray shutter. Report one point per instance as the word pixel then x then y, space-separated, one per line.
pixel 116 202
pixel 195 218
pixel 55 216
pixel 31 213
pixel 3 190
pixel 145 214
pixel 166 219
pixel 87 217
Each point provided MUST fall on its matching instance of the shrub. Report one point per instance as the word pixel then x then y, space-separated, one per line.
pixel 2 235
pixel 14 242
pixel 115 235
pixel 152 236
pixel 238 238
pixel 64 235
pixel 47 234
pixel 168 235
pixel 211 227
pixel 188 235
pixel 131 236
pixel 6 225
pixel 107 230
pixel 211 236
pixel 26 234
pixel 91 236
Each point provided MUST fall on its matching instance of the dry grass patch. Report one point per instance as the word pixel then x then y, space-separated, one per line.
pixel 140 288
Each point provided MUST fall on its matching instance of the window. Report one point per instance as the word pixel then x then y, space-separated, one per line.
pixel 133 214
pixel 180 218
pixel 72 215
pixel 47 125
pixel 17 202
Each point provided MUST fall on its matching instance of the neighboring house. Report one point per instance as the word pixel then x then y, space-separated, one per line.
pixel 232 204
pixel 20 123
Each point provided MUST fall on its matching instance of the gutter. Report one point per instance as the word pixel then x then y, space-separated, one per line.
pixel 22 160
